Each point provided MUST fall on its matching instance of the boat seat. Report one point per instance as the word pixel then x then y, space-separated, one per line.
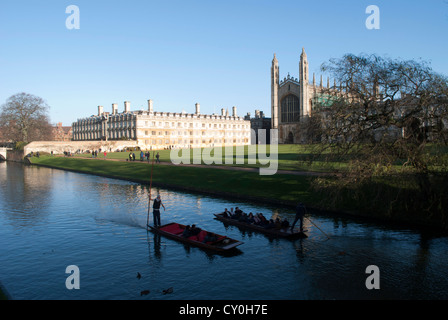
pixel 173 229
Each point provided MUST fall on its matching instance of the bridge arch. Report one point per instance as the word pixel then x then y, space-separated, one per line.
pixel 3 154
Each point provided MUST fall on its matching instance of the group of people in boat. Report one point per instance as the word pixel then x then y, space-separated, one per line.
pixel 257 219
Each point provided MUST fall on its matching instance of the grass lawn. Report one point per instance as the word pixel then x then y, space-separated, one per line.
pixel 282 188
pixel 288 157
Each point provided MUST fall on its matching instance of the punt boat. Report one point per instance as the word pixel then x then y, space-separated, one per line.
pixel 283 233
pixel 175 230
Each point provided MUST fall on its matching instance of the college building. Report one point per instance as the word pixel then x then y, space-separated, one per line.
pixel 164 130
pixel 293 99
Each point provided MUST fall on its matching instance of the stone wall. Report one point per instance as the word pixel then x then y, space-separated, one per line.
pixel 58 147
pixel 15 155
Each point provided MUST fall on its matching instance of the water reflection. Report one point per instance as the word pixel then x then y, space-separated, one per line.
pixel 25 197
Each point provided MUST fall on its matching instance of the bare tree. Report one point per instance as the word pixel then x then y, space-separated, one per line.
pixel 24 118
pixel 388 118
pixel 389 107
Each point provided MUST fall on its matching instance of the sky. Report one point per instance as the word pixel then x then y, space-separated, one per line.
pixel 179 53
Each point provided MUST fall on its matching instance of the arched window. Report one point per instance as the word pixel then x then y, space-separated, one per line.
pixel 290 108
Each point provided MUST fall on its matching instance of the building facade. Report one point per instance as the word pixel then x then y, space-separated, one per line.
pixel 292 100
pixel 62 133
pixel 259 122
pixel 164 130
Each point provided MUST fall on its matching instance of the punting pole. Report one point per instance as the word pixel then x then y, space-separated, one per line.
pixel 150 186
pixel 316 225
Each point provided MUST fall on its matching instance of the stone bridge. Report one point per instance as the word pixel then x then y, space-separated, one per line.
pixel 3 153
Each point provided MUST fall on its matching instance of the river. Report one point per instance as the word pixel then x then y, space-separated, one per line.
pixel 51 219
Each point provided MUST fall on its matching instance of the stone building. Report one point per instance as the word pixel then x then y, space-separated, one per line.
pixel 292 100
pixel 164 130
pixel 62 133
pixel 259 122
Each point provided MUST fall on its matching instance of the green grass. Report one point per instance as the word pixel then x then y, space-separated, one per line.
pixel 288 157
pixel 280 188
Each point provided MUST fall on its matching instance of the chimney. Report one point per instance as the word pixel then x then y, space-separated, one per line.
pixel 100 110
pixel 127 106
pixel 150 106
pixel 198 108
pixel 223 112
pixel 234 112
pixel 114 108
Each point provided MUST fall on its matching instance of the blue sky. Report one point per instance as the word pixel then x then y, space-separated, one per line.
pixel 177 53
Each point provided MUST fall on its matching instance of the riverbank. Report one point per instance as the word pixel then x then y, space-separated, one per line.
pixel 284 188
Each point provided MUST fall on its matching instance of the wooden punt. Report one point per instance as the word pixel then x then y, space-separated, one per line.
pixel 283 233
pixel 175 231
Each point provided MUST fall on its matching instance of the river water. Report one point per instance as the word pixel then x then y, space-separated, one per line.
pixel 51 219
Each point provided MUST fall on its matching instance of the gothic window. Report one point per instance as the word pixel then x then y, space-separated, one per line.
pixel 290 108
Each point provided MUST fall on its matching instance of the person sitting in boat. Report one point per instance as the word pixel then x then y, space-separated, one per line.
pixel 226 213
pixel 187 232
pixel 194 231
pixel 278 223
pixel 263 220
pixel 241 217
pixel 250 218
pixel 209 237
pixel 231 213
pixel 257 220
pixel 238 213
pixel 270 224
pixel 285 224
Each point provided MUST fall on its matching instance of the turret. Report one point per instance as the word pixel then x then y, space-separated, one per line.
pixel 305 108
pixel 274 92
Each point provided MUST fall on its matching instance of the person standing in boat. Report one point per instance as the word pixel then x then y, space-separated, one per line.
pixel 156 210
pixel 300 213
